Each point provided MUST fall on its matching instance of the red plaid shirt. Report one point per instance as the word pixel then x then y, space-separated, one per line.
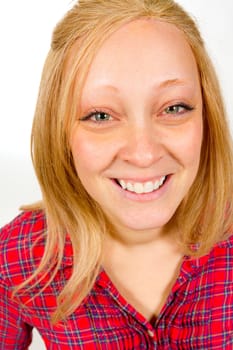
pixel 198 313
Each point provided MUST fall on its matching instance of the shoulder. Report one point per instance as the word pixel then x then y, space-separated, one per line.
pixel 225 246
pixel 24 229
pixel 220 261
pixel 17 241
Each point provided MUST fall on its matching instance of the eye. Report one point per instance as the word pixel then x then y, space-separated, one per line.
pixel 97 116
pixel 177 109
pixel 100 116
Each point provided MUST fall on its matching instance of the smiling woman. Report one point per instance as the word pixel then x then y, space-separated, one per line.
pixel 130 248
pixel 141 142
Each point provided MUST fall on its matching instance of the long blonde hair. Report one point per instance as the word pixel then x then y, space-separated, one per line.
pixel 206 212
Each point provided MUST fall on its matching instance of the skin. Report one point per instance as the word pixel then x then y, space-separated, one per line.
pixel 139 74
pixel 142 69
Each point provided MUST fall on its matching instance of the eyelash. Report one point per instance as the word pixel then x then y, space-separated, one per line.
pixel 184 106
pixel 95 113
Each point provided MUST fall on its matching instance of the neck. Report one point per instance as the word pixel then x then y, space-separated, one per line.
pixel 143 271
pixel 152 248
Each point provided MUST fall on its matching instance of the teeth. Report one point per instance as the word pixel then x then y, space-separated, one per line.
pixel 139 187
pixel 123 184
pixel 130 187
pixel 148 187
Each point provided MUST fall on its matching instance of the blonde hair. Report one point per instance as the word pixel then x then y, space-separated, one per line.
pixel 206 213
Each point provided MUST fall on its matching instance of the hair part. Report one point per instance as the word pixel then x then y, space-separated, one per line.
pixel 205 214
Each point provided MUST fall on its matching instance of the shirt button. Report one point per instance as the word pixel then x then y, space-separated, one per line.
pixel 151 333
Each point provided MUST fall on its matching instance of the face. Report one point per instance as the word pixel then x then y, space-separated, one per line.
pixel 136 145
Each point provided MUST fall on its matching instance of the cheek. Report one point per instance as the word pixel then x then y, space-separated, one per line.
pixel 90 152
pixel 188 144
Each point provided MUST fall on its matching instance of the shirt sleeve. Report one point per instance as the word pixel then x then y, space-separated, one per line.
pixel 14 333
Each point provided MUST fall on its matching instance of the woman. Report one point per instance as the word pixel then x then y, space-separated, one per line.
pixel 131 247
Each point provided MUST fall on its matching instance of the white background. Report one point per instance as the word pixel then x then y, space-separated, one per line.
pixel 25 32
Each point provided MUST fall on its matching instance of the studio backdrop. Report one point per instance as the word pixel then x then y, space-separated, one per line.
pixel 25 32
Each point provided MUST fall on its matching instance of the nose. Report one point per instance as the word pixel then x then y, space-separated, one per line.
pixel 142 146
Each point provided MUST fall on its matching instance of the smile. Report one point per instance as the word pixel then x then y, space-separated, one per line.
pixel 141 187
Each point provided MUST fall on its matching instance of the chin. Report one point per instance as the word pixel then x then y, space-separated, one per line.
pixel 146 224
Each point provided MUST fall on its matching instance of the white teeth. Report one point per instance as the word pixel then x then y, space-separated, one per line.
pixel 123 184
pixel 130 187
pixel 148 187
pixel 139 187
pixel 156 185
pixel 162 180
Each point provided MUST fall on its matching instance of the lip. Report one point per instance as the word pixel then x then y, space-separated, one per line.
pixel 144 197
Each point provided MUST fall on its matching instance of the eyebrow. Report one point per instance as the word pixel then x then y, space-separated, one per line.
pixel 162 85
pixel 158 86
pixel 171 82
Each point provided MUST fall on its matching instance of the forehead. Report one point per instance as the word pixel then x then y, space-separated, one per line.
pixel 148 47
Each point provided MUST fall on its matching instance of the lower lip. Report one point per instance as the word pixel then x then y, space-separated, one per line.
pixel 144 197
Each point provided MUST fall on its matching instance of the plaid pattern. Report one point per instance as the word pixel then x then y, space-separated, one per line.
pixel 198 313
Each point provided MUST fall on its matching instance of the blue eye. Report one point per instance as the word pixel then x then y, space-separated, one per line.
pixel 100 116
pixel 177 109
pixel 97 116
